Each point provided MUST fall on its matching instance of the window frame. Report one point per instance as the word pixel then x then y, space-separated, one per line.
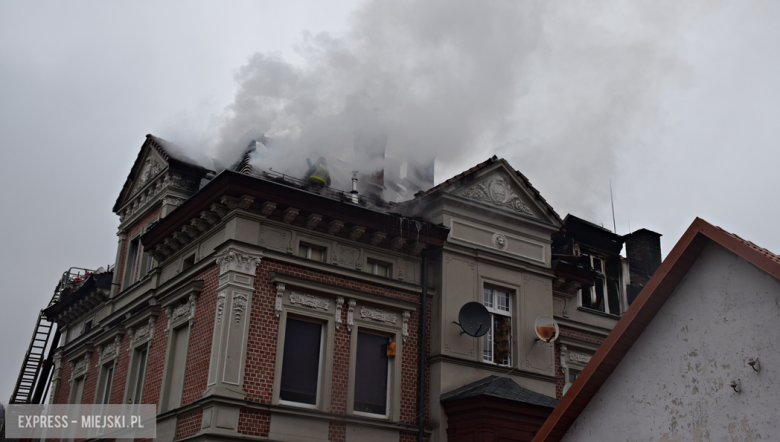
pixel 131 264
pixel 145 322
pixel 309 249
pixel 320 368
pixel 390 371
pixel 326 317
pixel 601 279
pixel 374 263
pixel 394 331
pixel 506 313
pixel 307 241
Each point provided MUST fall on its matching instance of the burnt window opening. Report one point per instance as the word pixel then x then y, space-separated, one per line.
pixel 87 325
pixel 604 295
pixel 372 371
pixel 301 362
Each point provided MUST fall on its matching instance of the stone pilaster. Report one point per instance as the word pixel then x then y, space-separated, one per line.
pixel 237 268
pixel 118 262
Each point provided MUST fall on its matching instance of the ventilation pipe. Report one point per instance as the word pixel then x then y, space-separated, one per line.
pixel 354 192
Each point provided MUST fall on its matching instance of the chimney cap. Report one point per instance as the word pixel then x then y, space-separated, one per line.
pixel 642 231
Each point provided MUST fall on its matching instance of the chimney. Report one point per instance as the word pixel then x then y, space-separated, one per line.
pixel 643 250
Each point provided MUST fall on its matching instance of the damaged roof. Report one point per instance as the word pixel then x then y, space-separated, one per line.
pixel 642 311
pixel 500 387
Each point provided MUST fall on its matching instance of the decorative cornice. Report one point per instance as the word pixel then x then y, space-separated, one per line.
pixel 356 232
pixel 267 208
pixel 397 244
pixel 334 227
pixel 312 221
pixel 377 238
pixel 289 215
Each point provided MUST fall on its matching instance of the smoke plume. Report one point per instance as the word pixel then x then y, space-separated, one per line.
pixel 559 89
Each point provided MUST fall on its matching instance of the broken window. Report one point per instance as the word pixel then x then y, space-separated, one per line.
pixel 497 343
pixel 604 296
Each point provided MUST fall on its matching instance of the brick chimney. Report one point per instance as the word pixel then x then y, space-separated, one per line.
pixel 643 250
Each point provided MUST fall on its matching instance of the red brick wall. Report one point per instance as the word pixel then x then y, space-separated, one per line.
pixel 63 391
pixel 201 335
pixel 254 423
pixel 120 371
pixel 189 424
pixel 261 352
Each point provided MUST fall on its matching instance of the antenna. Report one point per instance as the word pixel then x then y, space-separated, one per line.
pixel 612 200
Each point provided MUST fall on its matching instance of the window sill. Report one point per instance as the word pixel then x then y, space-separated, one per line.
pixel 599 312
pixel 371 415
pixel 298 405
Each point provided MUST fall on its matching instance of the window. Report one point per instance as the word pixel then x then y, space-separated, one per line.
pixel 87 325
pixel 188 262
pixel 132 260
pixel 378 268
pixel 137 376
pixel 372 371
pixel 177 362
pixel 76 391
pixel 104 384
pixel 604 295
pixel 311 252
pixel 498 341
pixel 301 363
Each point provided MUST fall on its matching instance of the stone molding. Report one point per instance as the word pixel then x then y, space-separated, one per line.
pixel 405 331
pixel 351 314
pixel 279 297
pixel 308 300
pixel 339 305
pixel 378 315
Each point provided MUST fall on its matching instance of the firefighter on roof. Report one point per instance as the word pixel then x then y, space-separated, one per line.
pixel 318 173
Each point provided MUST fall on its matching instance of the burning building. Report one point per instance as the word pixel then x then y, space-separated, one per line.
pixel 250 304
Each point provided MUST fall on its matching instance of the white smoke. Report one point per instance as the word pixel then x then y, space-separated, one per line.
pixel 560 89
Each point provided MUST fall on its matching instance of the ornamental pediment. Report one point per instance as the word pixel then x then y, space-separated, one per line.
pixel 501 192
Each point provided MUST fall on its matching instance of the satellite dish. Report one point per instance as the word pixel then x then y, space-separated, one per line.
pixel 474 319
pixel 546 329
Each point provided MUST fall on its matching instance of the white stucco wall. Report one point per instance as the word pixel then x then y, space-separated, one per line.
pixel 673 385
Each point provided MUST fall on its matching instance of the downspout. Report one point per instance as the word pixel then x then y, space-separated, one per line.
pixel 423 353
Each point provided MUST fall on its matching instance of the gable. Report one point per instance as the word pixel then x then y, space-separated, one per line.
pixel 148 165
pixel 501 188
pixel 680 367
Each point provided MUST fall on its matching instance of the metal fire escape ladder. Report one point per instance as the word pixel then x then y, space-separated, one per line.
pixel 34 361
pixel 33 379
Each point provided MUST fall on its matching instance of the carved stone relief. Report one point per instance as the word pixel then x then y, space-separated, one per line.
pixel 237 260
pixel 239 306
pixel 309 300
pixel 405 331
pixel 579 357
pixel 497 191
pixel 279 296
pixel 339 304
pixel 220 307
pixel 378 315
pixel 350 314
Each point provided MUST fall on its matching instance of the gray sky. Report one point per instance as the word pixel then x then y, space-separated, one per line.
pixel 677 104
